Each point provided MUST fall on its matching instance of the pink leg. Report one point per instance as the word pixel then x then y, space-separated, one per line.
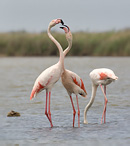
pixel 49 111
pixel 106 105
pixel 104 111
pixel 46 105
pixel 46 108
pixel 78 111
pixel 74 111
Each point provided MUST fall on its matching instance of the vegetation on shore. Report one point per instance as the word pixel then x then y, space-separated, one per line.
pixel 112 43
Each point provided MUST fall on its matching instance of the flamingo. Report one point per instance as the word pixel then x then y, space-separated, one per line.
pixel 100 77
pixel 51 75
pixel 70 80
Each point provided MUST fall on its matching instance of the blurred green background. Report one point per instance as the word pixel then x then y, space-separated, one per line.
pixel 99 28
pixel 111 43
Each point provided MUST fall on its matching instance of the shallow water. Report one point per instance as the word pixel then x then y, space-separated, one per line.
pixel 17 76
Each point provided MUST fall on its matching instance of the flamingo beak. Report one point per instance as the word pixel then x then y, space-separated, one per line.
pixel 62 22
pixel 116 78
pixel 62 27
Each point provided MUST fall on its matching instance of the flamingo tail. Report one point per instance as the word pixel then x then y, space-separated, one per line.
pixel 33 94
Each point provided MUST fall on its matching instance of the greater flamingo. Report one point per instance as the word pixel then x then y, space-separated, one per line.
pixel 70 80
pixel 99 77
pixel 51 75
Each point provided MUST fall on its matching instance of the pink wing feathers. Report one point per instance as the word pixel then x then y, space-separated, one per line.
pixel 79 82
pixel 103 75
pixel 39 87
pixel 46 80
pixel 107 74
pixel 36 90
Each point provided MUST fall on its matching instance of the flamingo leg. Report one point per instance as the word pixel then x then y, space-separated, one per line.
pixel 74 111
pixel 46 105
pixel 78 111
pixel 105 105
pixel 49 111
pixel 46 108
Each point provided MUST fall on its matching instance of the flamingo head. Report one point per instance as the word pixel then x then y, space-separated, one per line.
pixel 65 28
pixel 56 21
pixel 116 78
pixel 67 31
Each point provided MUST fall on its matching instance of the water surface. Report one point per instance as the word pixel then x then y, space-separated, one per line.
pixel 17 76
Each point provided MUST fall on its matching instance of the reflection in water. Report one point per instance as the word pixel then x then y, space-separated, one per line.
pixel 17 76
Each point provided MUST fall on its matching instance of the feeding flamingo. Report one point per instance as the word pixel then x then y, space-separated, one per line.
pixel 70 80
pixel 99 77
pixel 51 75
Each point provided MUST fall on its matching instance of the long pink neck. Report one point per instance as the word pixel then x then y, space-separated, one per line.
pixel 61 60
pixel 94 89
pixel 67 49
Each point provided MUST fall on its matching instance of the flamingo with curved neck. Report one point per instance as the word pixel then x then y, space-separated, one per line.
pixel 52 24
pixel 99 77
pixel 51 75
pixel 70 80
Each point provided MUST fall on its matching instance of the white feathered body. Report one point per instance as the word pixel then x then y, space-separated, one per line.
pixel 47 79
pixel 102 76
pixel 73 83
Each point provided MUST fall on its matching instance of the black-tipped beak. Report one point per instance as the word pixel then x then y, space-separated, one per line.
pixel 62 22
pixel 65 26
pixel 61 27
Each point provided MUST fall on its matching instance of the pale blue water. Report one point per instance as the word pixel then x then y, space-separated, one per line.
pixel 17 76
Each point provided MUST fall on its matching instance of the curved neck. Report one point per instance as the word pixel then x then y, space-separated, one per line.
pixel 68 48
pixel 94 89
pixel 57 44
